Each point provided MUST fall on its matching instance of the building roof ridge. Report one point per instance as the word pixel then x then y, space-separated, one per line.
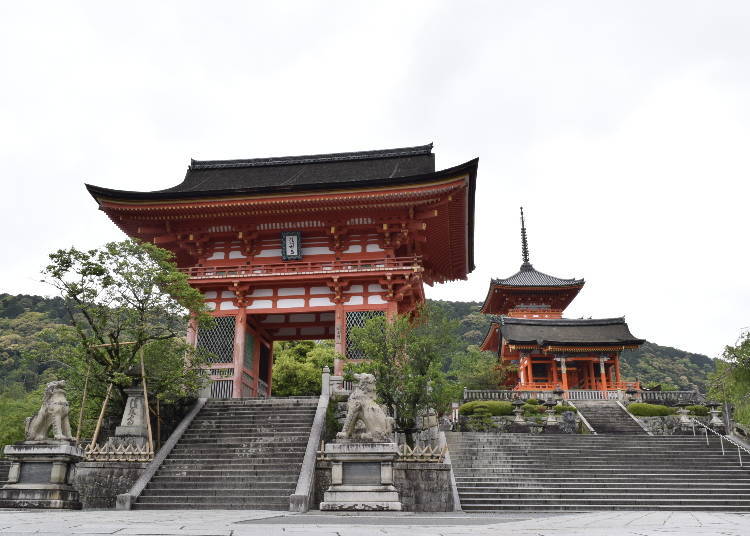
pixel 313 159
pixel 505 319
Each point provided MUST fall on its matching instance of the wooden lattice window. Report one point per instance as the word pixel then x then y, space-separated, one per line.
pixel 219 340
pixel 357 319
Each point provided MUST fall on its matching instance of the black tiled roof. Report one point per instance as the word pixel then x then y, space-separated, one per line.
pixel 560 332
pixel 527 276
pixel 291 172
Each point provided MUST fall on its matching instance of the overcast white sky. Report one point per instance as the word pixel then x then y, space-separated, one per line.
pixel 622 127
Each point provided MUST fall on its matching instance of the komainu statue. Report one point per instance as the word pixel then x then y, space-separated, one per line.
pixel 362 407
pixel 54 413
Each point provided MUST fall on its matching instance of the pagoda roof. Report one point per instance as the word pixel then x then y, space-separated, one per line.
pixel 212 178
pixel 567 332
pixel 527 276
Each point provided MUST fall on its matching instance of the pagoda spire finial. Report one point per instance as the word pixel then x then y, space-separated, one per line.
pixel 524 245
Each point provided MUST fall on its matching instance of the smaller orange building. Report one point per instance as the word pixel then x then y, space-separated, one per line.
pixel 550 351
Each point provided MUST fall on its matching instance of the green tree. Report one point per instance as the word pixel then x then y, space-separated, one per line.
pixel 475 369
pixel 298 366
pixel 126 292
pixel 406 357
pixel 731 381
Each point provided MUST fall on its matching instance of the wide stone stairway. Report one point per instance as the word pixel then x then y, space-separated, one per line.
pixel 607 417
pixel 236 454
pixel 597 472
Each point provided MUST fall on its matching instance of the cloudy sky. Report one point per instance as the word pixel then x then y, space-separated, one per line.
pixel 622 127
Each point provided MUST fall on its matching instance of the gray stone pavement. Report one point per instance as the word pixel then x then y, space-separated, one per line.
pixel 239 523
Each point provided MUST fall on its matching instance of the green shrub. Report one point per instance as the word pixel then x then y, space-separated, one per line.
pixel 563 408
pixel 533 408
pixel 493 407
pixel 698 410
pixel 641 409
pixel 534 401
pixel 480 421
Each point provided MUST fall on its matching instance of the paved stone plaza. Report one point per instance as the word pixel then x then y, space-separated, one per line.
pixel 238 523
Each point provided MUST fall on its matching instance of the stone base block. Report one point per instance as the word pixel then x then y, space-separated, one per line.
pixel 64 499
pixel 362 507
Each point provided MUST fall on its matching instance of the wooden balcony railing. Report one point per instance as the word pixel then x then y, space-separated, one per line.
pixel 325 268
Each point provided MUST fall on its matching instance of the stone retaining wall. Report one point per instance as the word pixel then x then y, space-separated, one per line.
pixel 99 483
pixel 422 487
pixel 669 425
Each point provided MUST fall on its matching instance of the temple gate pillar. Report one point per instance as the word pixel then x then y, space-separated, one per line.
pixel 617 369
pixel 603 373
pixel 339 338
pixel 238 351
pixel 555 377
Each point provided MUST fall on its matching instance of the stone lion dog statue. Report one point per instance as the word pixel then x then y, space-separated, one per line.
pixel 54 413
pixel 361 407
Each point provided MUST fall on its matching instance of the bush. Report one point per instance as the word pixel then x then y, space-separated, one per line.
pixel 533 408
pixel 563 408
pixel 698 410
pixel 493 407
pixel 534 401
pixel 640 409
pixel 480 421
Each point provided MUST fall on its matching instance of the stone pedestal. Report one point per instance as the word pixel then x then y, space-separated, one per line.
pixel 132 431
pixel 41 475
pixel 361 477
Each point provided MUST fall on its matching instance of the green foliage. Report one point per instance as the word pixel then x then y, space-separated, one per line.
pixel 480 421
pixel 15 405
pixel 298 366
pixel 406 356
pixel 532 409
pixel 731 381
pixel 641 409
pixel 474 369
pixel 494 407
pixel 562 408
pixel 127 292
pixel 333 426
pixel 698 411
pixel 534 401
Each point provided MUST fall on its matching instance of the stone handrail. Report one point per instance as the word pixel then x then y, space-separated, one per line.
pixel 443 442
pixel 300 500
pixel 583 419
pixel 125 501
pixel 722 438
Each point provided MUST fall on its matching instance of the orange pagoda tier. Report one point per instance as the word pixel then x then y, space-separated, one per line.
pixel 304 247
pixel 550 352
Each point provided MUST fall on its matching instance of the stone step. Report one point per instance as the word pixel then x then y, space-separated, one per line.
pixel 159 482
pixel 229 492
pixel 468 486
pixel 179 504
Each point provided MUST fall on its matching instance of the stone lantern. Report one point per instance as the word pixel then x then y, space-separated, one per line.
pixel 631 394
pixel 518 411
pixel 550 411
pixel 715 421
pixel 685 424
pixel 558 395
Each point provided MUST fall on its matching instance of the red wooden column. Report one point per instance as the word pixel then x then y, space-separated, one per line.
pixel 339 338
pixel 555 377
pixel 592 374
pixel 238 352
pixel 603 373
pixel 564 373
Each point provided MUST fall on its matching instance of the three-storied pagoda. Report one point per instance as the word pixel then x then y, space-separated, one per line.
pixel 304 247
pixel 551 351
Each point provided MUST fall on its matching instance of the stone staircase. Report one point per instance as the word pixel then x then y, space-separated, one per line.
pixel 236 454
pixel 596 472
pixel 607 417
